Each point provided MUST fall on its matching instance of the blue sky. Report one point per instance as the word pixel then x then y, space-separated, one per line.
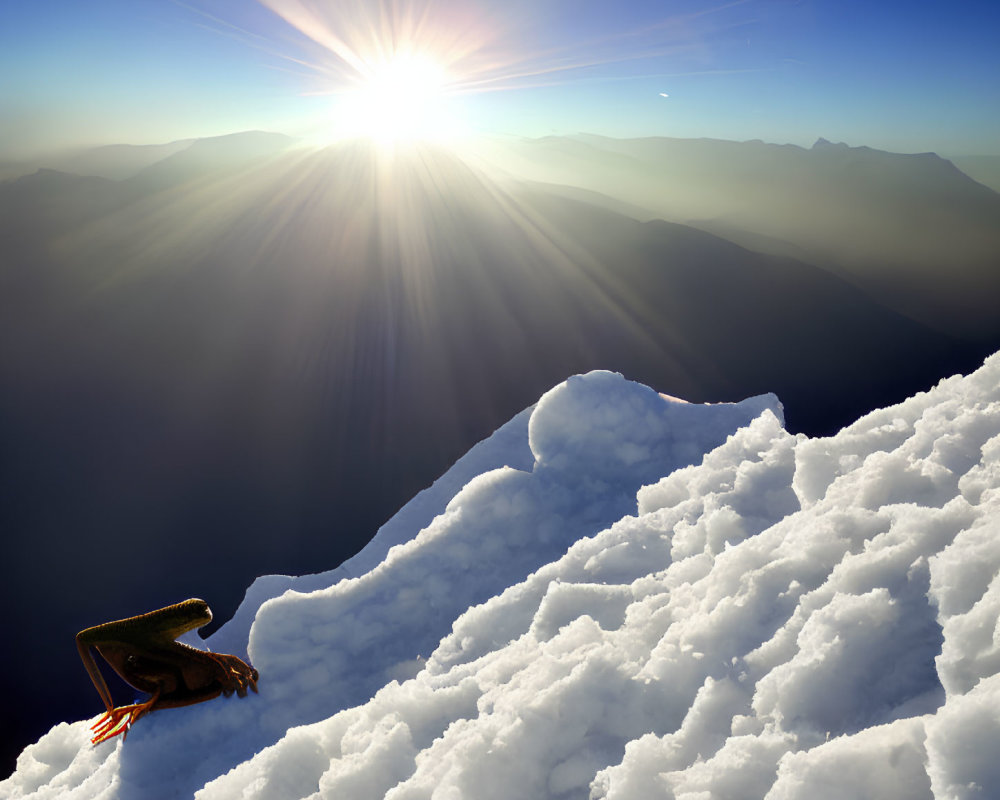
pixel 901 76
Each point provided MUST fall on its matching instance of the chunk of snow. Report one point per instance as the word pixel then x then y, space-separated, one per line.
pixel 619 595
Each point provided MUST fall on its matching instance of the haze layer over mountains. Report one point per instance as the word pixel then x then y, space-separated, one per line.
pixel 912 230
pixel 232 357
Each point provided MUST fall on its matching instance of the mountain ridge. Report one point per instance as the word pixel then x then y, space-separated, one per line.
pixel 912 230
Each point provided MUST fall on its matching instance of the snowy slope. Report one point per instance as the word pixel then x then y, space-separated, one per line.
pixel 657 600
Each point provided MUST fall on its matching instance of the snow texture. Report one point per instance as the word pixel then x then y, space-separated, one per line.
pixel 621 596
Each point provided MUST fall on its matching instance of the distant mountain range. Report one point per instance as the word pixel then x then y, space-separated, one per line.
pixel 912 230
pixel 244 336
pixel 121 161
pixel 985 169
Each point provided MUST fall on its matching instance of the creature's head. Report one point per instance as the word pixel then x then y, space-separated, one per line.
pixel 180 618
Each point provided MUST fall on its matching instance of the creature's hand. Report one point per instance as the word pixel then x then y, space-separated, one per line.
pixel 235 675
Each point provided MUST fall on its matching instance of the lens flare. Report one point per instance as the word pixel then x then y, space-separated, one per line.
pixel 400 69
pixel 403 100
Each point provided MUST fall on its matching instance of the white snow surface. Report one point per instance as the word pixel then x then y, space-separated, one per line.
pixel 623 596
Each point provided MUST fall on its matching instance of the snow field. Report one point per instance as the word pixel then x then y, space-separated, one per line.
pixel 658 600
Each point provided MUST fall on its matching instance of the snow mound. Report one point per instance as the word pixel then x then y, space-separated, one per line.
pixel 658 599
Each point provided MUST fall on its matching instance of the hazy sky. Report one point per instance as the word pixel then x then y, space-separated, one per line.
pixel 906 76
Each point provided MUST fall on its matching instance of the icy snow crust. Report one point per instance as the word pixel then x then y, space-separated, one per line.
pixel 657 600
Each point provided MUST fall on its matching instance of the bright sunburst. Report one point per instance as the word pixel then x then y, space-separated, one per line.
pixel 403 99
pixel 400 70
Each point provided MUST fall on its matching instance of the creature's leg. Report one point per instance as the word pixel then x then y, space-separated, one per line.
pixel 119 720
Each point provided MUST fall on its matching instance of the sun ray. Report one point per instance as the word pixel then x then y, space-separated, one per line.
pixel 359 52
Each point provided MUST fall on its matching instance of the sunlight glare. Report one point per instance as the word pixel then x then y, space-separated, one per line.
pixel 401 100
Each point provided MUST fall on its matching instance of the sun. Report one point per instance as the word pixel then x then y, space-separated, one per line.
pixel 400 100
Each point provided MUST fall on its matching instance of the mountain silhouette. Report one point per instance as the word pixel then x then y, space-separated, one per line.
pixel 913 231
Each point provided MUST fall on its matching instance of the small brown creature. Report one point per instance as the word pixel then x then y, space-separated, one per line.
pixel 143 651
